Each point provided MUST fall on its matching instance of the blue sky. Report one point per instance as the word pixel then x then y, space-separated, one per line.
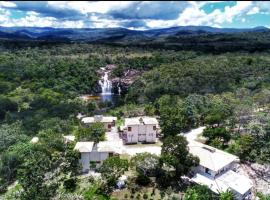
pixel 135 14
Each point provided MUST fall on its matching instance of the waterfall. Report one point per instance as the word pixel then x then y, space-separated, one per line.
pixel 119 88
pixel 105 84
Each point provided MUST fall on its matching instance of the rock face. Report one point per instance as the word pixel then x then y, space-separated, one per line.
pixel 119 84
pixel 125 81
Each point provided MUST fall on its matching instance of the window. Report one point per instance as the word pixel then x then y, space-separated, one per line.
pixel 129 128
pixel 154 128
pixel 207 171
pixel 109 126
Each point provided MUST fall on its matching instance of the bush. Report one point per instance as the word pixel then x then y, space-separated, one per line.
pixel 145 196
pixel 138 196
pixel 142 180
pixel 70 184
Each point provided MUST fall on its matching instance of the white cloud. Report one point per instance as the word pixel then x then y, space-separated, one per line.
pixel 7 4
pixel 100 14
pixel 194 15
pixel 264 6
pixel 85 7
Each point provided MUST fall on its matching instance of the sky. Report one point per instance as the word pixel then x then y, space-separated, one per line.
pixel 139 15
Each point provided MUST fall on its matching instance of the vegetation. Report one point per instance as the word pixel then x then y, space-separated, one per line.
pixel 175 156
pixel 199 192
pixel 95 132
pixel 40 83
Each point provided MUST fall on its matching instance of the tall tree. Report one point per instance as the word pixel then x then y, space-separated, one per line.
pixel 175 154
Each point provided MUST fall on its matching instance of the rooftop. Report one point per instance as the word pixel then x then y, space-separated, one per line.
pixel 103 119
pixel 228 180
pixel 109 146
pixel 84 147
pixel 137 120
pixel 210 157
pixel 69 138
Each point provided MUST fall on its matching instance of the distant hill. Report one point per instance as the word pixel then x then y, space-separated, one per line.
pixel 194 38
pixel 88 34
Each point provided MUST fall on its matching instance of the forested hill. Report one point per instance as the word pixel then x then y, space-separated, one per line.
pixel 194 38
pixel 188 80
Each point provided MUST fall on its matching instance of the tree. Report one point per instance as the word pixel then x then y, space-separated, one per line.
pixel 263 197
pixel 172 116
pixel 32 177
pixel 10 161
pixel 6 105
pixel 175 153
pixel 216 135
pixel 96 133
pixel 10 134
pixel 94 192
pixel 199 192
pixel 111 169
pixel 218 111
pixel 228 195
pixel 146 163
pixel 243 147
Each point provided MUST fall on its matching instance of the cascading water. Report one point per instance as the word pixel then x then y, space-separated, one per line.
pixel 119 88
pixel 105 84
pixel 106 87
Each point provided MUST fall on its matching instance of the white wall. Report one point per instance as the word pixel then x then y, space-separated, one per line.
pixel 141 133
pixel 132 136
pixel 150 133
pixel 98 156
pixel 85 160
pixel 92 156
pixel 201 169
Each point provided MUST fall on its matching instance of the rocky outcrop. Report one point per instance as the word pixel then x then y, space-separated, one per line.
pixel 119 84
pixel 125 81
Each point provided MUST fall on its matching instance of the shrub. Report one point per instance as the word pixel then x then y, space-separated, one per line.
pixel 142 180
pixel 70 184
pixel 145 196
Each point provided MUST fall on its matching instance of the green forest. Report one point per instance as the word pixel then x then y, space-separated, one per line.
pixel 229 93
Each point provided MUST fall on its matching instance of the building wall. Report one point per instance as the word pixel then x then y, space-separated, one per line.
pixel 140 133
pixel 132 136
pixel 150 133
pixel 85 160
pixel 106 126
pixel 202 170
pixel 98 157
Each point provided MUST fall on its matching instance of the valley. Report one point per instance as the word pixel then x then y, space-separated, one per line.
pixel 49 85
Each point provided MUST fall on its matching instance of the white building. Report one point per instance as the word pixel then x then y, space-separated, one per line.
pixel 140 129
pixel 96 154
pixel 69 138
pixel 216 171
pixel 108 122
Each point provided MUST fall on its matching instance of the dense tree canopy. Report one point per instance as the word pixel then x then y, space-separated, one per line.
pixel 175 154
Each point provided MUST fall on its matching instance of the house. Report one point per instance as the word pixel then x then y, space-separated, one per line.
pixel 216 170
pixel 69 138
pixel 140 129
pixel 108 121
pixel 92 155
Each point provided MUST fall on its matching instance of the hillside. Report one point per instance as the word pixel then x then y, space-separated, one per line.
pixel 185 77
